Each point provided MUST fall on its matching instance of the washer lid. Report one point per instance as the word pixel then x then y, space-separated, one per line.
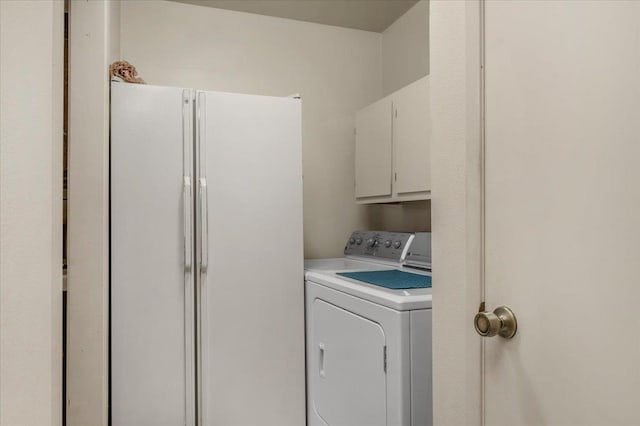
pixel 400 300
pixel 392 279
pixel 341 264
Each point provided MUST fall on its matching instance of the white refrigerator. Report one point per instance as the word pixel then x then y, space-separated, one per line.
pixel 206 298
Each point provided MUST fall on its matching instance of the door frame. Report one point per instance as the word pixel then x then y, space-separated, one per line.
pixel 457 208
pixel 94 42
pixel 457 179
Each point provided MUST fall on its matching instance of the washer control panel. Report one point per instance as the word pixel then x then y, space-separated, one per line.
pixel 419 254
pixel 379 244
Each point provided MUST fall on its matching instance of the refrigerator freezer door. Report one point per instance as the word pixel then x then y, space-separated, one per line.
pixel 252 294
pixel 152 300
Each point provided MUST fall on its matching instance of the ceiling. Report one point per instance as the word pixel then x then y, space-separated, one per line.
pixel 369 15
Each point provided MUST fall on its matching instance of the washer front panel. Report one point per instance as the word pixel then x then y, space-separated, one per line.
pixel 396 328
pixel 351 373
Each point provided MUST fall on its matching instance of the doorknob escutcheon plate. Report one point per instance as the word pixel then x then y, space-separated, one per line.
pixel 502 321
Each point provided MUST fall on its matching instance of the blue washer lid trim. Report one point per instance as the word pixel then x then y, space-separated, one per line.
pixel 391 279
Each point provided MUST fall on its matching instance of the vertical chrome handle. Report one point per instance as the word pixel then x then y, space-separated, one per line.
pixel 187 188
pixel 321 360
pixel 186 203
pixel 204 235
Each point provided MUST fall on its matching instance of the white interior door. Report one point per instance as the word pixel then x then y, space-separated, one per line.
pixel 563 211
pixel 348 358
pixel 252 282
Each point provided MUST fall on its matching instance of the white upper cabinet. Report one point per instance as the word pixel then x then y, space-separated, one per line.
pixel 373 150
pixel 411 139
pixel 392 147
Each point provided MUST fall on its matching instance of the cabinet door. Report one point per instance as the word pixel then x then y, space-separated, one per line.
pixel 348 358
pixel 411 139
pixel 373 150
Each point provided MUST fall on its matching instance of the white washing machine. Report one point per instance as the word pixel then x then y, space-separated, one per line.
pixel 369 334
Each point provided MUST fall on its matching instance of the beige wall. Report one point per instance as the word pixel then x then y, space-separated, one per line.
pixel 405 49
pixel 93 45
pixel 31 105
pixel 336 70
pixel 401 217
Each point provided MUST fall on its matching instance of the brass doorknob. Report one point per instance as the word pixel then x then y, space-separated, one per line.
pixel 501 321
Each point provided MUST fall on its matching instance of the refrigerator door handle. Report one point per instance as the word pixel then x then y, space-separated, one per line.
pixel 186 202
pixel 204 235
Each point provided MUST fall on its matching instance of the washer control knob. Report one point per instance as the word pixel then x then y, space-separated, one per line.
pixel 397 244
pixel 358 241
pixel 387 243
pixel 371 242
pixel 351 241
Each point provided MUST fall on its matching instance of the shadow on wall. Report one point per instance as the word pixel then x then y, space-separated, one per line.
pixel 401 217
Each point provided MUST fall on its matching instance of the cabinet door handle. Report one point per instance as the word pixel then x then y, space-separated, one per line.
pixel 321 360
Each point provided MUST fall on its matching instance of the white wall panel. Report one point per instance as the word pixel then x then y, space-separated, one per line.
pixel 31 105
